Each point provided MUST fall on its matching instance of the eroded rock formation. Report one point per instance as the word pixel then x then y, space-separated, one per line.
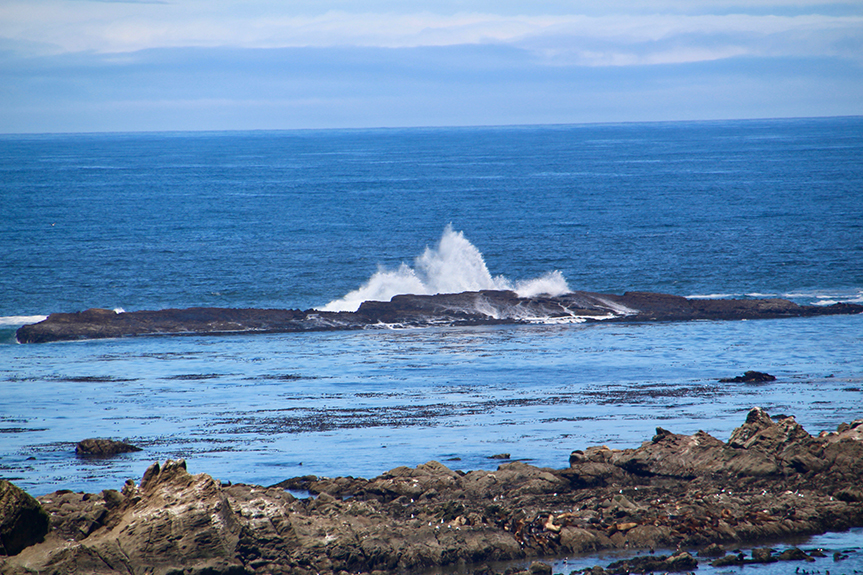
pixel 772 479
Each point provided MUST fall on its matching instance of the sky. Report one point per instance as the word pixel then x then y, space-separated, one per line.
pixel 157 65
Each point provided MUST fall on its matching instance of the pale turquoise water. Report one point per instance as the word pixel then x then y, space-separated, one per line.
pixel 260 408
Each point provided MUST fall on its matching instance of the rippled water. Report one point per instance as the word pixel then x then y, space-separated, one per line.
pixel 260 408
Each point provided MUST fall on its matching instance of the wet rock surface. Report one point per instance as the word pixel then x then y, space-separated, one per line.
pixel 23 522
pixel 468 308
pixel 771 480
pixel 678 562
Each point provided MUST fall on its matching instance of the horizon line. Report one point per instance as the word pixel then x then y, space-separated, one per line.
pixel 427 127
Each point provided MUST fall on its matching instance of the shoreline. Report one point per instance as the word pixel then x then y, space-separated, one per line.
pixel 769 481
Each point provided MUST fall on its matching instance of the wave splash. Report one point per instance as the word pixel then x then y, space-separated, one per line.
pixel 455 265
pixel 19 320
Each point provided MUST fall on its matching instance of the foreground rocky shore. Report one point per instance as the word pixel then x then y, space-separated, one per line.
pixel 770 480
pixel 468 308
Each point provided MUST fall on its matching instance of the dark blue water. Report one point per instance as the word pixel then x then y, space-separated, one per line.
pixel 298 219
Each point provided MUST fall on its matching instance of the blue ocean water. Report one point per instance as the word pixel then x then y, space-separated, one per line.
pixel 300 219
pixel 297 219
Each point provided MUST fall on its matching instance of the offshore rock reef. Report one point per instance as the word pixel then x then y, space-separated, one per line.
pixel 770 480
pixel 468 308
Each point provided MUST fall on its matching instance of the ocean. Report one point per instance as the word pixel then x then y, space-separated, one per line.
pixel 324 219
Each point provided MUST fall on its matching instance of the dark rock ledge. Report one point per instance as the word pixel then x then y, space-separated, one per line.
pixel 468 308
pixel 770 480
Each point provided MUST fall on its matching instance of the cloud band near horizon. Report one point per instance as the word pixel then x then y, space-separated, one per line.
pixel 344 63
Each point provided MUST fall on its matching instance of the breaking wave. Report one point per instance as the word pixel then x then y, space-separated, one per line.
pixel 19 320
pixel 808 297
pixel 455 265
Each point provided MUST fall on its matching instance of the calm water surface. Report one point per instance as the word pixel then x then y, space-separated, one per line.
pixel 261 408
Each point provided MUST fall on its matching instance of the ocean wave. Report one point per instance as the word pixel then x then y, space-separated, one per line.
pixel 713 296
pixel 810 297
pixel 19 320
pixel 455 265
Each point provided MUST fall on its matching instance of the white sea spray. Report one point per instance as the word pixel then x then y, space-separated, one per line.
pixel 453 266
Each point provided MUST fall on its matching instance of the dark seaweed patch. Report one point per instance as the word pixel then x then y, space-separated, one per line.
pixel 92 379
pixel 283 376
pixel 322 419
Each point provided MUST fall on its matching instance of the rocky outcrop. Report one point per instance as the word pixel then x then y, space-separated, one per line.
pixel 23 522
pixel 173 522
pixel 772 479
pixel 678 562
pixel 749 377
pixel 468 308
pixel 103 448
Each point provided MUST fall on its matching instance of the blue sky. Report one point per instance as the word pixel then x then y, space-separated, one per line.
pixel 84 65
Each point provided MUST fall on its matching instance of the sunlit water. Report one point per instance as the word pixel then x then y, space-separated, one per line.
pixel 261 408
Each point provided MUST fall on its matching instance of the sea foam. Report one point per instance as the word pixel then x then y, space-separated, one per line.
pixel 455 265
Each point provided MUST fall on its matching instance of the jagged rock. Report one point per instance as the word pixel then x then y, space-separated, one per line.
pixel 103 448
pixel 673 491
pixel 756 421
pixel 177 521
pixel 673 455
pixel 23 522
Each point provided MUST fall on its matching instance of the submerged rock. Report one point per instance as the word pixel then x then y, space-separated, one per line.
pixel 771 480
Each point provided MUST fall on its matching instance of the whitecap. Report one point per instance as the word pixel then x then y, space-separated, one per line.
pixel 713 296
pixel 19 320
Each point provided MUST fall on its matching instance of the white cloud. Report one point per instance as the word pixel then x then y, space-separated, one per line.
pixel 624 34
pixel 220 64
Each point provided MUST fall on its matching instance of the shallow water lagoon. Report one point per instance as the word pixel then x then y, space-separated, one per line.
pixel 261 408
